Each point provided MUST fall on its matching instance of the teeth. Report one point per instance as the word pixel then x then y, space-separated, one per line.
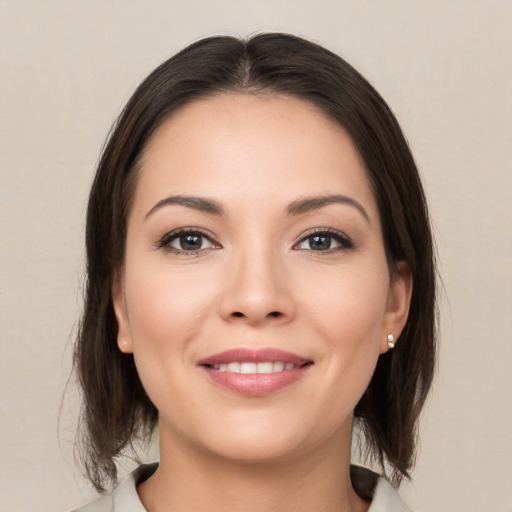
pixel 234 367
pixel 248 367
pixel 266 367
pixel 278 367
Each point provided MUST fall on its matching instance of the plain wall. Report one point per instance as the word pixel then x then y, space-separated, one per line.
pixel 66 69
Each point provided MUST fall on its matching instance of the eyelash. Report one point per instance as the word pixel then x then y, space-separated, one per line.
pixel 345 242
pixel 164 243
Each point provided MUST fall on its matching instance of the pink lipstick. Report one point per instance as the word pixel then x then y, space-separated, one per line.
pixel 255 372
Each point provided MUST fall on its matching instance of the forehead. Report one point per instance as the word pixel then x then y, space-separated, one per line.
pixel 244 146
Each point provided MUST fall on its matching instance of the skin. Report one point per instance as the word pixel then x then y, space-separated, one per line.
pixel 256 282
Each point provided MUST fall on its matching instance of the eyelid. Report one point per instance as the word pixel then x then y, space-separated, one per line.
pixel 163 242
pixel 343 239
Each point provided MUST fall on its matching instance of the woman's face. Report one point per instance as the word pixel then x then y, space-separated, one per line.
pixel 255 294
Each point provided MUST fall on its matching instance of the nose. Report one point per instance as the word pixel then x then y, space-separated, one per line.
pixel 257 290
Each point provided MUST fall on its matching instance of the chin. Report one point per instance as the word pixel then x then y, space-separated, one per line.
pixel 257 452
pixel 259 438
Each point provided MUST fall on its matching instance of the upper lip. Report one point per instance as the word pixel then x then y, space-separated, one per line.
pixel 262 355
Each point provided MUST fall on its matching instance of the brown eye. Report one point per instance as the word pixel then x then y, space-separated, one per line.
pixel 323 241
pixel 187 241
pixel 319 242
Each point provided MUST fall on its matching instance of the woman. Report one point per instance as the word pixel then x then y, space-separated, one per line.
pixel 260 276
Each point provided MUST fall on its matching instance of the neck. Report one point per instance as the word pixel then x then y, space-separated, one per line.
pixel 190 479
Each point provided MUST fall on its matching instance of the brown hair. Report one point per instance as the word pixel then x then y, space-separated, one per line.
pixel 116 409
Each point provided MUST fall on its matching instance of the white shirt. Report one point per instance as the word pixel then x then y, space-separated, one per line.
pixel 124 498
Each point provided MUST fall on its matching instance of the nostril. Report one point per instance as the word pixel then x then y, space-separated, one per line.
pixel 272 314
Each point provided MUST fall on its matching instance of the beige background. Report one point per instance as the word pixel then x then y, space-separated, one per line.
pixel 67 67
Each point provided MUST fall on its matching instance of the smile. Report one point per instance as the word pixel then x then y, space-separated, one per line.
pixel 248 367
pixel 255 372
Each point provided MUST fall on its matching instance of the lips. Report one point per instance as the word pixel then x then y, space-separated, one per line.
pixel 255 372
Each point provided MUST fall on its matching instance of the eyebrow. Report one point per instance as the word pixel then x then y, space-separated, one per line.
pixel 314 203
pixel 196 203
pixel 296 208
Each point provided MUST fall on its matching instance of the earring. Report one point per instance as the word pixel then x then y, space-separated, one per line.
pixel 391 341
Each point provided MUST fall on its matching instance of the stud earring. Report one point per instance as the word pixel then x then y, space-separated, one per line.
pixel 391 341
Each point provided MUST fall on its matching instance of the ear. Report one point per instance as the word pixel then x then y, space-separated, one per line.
pixel 124 340
pixel 399 300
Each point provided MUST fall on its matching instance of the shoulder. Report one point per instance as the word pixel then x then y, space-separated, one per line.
pixel 387 499
pixel 124 497
pixel 375 488
pixel 101 504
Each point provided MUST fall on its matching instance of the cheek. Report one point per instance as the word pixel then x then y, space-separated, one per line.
pixel 349 305
pixel 349 319
pixel 166 312
pixel 163 307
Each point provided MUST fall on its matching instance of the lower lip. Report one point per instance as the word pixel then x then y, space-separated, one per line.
pixel 256 384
